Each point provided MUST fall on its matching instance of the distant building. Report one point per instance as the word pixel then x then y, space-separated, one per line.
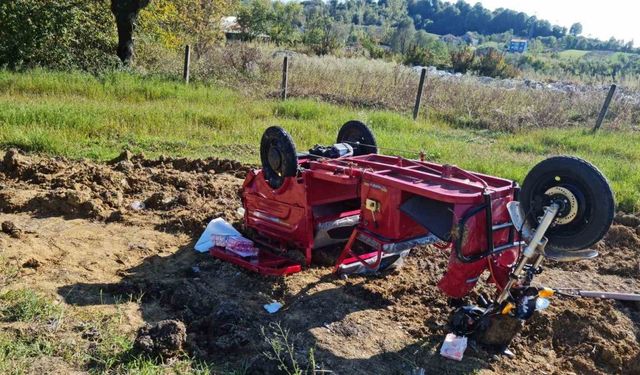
pixel 233 31
pixel 518 45
pixel 231 28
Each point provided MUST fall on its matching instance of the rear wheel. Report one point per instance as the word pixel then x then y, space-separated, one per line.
pixel 358 135
pixel 585 200
pixel 278 156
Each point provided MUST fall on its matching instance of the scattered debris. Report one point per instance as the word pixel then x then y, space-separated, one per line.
pixel 215 234
pixel 453 347
pixel 273 307
pixel 137 205
pixel 572 336
pixel 164 339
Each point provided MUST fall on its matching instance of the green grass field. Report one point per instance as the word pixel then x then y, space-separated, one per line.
pixel 78 115
pixel 572 54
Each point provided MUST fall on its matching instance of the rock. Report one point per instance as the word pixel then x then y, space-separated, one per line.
pixel 627 220
pixel 164 339
pixel 11 229
pixel 638 230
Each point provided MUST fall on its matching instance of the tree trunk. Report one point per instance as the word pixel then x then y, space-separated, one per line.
pixel 126 14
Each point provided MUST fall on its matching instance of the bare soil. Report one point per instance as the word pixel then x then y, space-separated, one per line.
pixel 94 235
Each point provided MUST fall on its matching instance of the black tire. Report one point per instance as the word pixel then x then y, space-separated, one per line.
pixel 278 156
pixel 357 134
pixel 589 187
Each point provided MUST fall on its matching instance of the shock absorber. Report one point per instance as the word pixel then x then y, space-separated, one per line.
pixel 535 247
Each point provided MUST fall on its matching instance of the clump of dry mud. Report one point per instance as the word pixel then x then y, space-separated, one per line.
pixel 179 194
pixel 164 339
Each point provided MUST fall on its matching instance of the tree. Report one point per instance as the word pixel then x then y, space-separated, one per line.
pixel 493 64
pixel 576 29
pixel 62 34
pixel 126 14
pixel 285 21
pixel 403 36
pixel 254 18
pixel 175 23
pixel 321 35
pixel 280 21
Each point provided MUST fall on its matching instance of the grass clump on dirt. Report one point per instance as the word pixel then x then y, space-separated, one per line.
pixel 79 340
pixel 25 305
pixel 78 115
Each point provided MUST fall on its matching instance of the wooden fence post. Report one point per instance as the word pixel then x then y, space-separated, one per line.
pixel 605 108
pixel 416 108
pixel 285 78
pixel 187 62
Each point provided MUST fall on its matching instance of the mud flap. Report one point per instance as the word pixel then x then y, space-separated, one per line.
pixel 435 216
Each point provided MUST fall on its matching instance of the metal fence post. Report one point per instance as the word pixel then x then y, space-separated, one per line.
pixel 285 78
pixel 187 62
pixel 605 108
pixel 416 108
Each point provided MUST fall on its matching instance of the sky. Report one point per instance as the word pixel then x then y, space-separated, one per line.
pixel 599 19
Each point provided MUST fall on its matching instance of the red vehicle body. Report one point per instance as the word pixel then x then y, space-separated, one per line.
pixel 381 206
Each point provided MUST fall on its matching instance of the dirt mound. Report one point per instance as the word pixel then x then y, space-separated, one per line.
pixel 135 221
pixel 627 220
pixel 622 236
pixel 177 194
pixel 595 337
pixel 164 339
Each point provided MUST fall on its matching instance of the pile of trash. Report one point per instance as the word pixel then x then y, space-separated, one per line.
pixel 221 234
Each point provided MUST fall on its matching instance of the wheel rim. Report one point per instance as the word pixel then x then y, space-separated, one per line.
pixel 574 202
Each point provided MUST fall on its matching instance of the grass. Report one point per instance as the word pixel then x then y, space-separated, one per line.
pixel 51 338
pixel 77 115
pixel 25 305
pixel 572 54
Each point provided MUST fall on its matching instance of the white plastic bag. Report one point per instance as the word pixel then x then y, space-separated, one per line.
pixel 217 227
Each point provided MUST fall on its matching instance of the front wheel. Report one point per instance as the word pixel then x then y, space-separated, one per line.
pixel 582 192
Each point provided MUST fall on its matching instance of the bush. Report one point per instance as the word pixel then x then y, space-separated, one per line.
pixel 493 64
pixel 462 60
pixel 61 34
